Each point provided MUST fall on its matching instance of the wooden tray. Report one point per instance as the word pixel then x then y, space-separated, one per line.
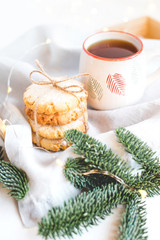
pixel 146 27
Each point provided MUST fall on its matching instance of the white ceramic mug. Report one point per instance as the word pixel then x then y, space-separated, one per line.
pixel 114 82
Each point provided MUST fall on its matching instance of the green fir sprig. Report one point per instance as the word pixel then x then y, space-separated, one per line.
pixel 83 211
pixel 94 157
pixel 99 156
pixel 143 155
pixel 13 179
pixel 139 150
pixel 133 221
pixel 106 180
pixel 74 169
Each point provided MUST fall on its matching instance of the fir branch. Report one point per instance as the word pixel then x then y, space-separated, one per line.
pixel 98 155
pixel 85 210
pixel 13 179
pixel 89 207
pixel 74 169
pixel 150 183
pixel 140 151
pixel 144 155
pixel 133 222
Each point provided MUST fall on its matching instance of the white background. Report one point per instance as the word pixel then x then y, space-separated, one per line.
pixel 18 16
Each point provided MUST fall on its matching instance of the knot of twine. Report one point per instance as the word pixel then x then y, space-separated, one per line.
pixel 55 83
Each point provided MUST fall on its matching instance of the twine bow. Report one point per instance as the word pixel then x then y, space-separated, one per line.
pixel 55 83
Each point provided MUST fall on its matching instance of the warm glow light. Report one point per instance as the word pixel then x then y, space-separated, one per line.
pixel 59 162
pixel 105 29
pixel 9 90
pixel 48 41
pixel 143 194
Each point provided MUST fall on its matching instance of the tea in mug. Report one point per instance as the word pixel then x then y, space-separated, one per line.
pixel 112 48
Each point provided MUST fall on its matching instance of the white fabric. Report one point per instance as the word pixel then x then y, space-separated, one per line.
pixel 48 187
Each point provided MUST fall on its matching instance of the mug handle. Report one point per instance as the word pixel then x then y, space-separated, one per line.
pixel 153 76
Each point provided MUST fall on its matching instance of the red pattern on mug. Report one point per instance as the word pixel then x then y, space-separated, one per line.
pixel 116 84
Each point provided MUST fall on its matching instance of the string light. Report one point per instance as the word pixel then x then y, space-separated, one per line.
pixel 143 194
pixel 48 41
pixel 59 162
pixel 9 89
pixel 105 29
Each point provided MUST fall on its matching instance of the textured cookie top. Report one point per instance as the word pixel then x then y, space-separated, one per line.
pixel 50 100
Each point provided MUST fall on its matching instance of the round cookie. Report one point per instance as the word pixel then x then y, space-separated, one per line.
pixel 61 118
pixel 50 144
pixel 57 132
pixel 50 100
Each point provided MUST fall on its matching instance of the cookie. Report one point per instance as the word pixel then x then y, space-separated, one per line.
pixel 59 118
pixel 57 132
pixel 50 144
pixel 47 99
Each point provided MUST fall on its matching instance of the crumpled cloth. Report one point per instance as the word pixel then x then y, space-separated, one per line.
pixel 48 186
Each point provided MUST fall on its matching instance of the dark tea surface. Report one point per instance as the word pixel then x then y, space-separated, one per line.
pixel 112 48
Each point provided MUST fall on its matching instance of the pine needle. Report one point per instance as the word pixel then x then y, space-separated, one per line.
pixel 85 210
pixel 74 169
pixel 105 193
pixel 13 179
pixel 140 151
pixel 98 155
pixel 144 155
pixel 133 222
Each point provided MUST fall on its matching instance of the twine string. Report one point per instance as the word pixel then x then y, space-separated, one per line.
pixel 55 83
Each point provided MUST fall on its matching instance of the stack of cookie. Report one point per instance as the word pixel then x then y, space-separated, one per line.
pixel 52 111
